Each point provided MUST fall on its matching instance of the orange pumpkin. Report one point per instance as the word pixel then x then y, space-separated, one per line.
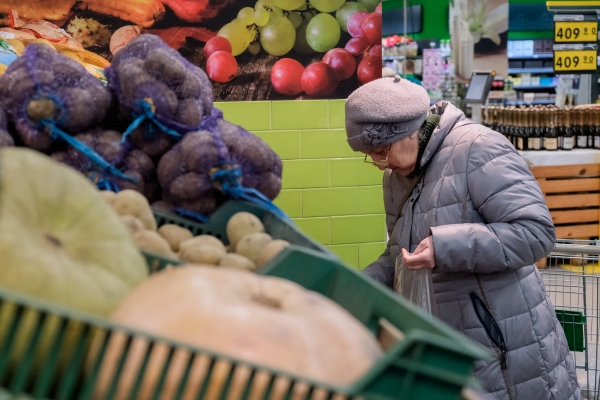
pixel 262 320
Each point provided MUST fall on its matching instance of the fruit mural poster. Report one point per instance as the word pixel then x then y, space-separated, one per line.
pixel 257 50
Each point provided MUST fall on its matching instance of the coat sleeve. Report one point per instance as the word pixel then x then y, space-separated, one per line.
pixel 382 270
pixel 518 229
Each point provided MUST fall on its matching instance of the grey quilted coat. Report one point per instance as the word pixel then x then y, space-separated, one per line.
pixel 490 225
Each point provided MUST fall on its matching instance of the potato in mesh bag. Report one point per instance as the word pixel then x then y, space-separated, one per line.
pixel 186 173
pixel 48 94
pixel 160 92
pixel 134 163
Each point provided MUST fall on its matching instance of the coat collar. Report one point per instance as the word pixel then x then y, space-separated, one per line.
pixel 450 116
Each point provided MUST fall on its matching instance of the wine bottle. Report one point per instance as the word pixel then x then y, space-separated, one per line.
pixel 523 131
pixel 596 118
pixel 568 139
pixel 512 127
pixel 550 138
pixel 494 120
pixel 529 127
pixel 560 127
pixel 500 121
pixel 519 129
pixel 537 133
pixel 579 130
pixel 589 129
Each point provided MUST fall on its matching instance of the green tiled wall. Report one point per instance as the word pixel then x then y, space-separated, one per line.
pixel 328 190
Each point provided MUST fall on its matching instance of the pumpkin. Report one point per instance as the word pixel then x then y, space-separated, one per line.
pixel 257 319
pixel 59 240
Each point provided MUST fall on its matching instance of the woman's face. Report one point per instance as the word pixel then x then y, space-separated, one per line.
pixel 401 155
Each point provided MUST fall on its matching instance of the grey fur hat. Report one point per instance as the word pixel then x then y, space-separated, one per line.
pixel 384 111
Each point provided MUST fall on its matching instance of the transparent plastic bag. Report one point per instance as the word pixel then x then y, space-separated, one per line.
pixel 415 286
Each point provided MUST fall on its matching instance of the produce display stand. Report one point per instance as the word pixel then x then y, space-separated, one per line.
pixel 277 227
pixel 572 193
pixel 570 181
pixel 424 358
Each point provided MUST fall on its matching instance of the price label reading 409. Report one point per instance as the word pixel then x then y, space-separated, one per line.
pixel 575 60
pixel 575 31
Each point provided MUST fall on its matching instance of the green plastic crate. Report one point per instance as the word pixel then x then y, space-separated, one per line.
pixel 157 262
pixel 433 361
pixel 573 323
pixel 275 226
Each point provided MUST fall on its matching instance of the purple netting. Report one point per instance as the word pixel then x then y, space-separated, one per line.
pixel 132 162
pixel 185 171
pixel 45 85
pixel 179 94
pixel 5 139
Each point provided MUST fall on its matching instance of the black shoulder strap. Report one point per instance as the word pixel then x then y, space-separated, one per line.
pixel 413 184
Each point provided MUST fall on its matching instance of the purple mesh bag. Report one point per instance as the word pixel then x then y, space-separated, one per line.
pixel 49 95
pixel 160 92
pixel 5 139
pixel 134 163
pixel 224 160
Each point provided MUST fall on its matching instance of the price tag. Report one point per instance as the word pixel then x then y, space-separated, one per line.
pixel 575 31
pixel 575 60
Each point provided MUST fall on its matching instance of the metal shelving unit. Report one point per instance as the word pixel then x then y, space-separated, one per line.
pixel 534 87
pixel 531 70
pixel 541 56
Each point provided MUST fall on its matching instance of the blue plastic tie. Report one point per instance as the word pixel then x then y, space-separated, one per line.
pixel 96 158
pixel 187 213
pixel 104 184
pixel 230 184
pixel 148 114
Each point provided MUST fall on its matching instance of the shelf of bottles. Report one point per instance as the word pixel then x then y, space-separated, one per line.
pixel 550 128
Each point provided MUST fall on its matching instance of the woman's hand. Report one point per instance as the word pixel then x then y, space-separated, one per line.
pixel 422 258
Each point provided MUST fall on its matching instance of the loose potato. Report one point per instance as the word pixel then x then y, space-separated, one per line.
pixel 237 261
pixel 201 241
pixel 133 224
pixel 202 253
pixel 152 242
pixel 271 250
pixel 130 202
pixel 251 245
pixel 242 224
pixel 108 196
pixel 175 235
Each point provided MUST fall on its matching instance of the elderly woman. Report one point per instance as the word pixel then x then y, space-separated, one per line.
pixel 461 202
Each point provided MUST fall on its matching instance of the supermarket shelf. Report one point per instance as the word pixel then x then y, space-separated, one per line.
pixel 391 58
pixel 524 103
pixel 540 56
pixel 531 70
pixel 533 87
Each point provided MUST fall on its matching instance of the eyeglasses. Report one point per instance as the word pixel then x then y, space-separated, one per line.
pixel 380 163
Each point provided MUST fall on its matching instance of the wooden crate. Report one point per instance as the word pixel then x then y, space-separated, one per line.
pixel 572 194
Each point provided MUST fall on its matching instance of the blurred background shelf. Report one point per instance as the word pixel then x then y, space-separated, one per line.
pixel 530 70
pixel 526 103
pixel 544 56
pixel 533 87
